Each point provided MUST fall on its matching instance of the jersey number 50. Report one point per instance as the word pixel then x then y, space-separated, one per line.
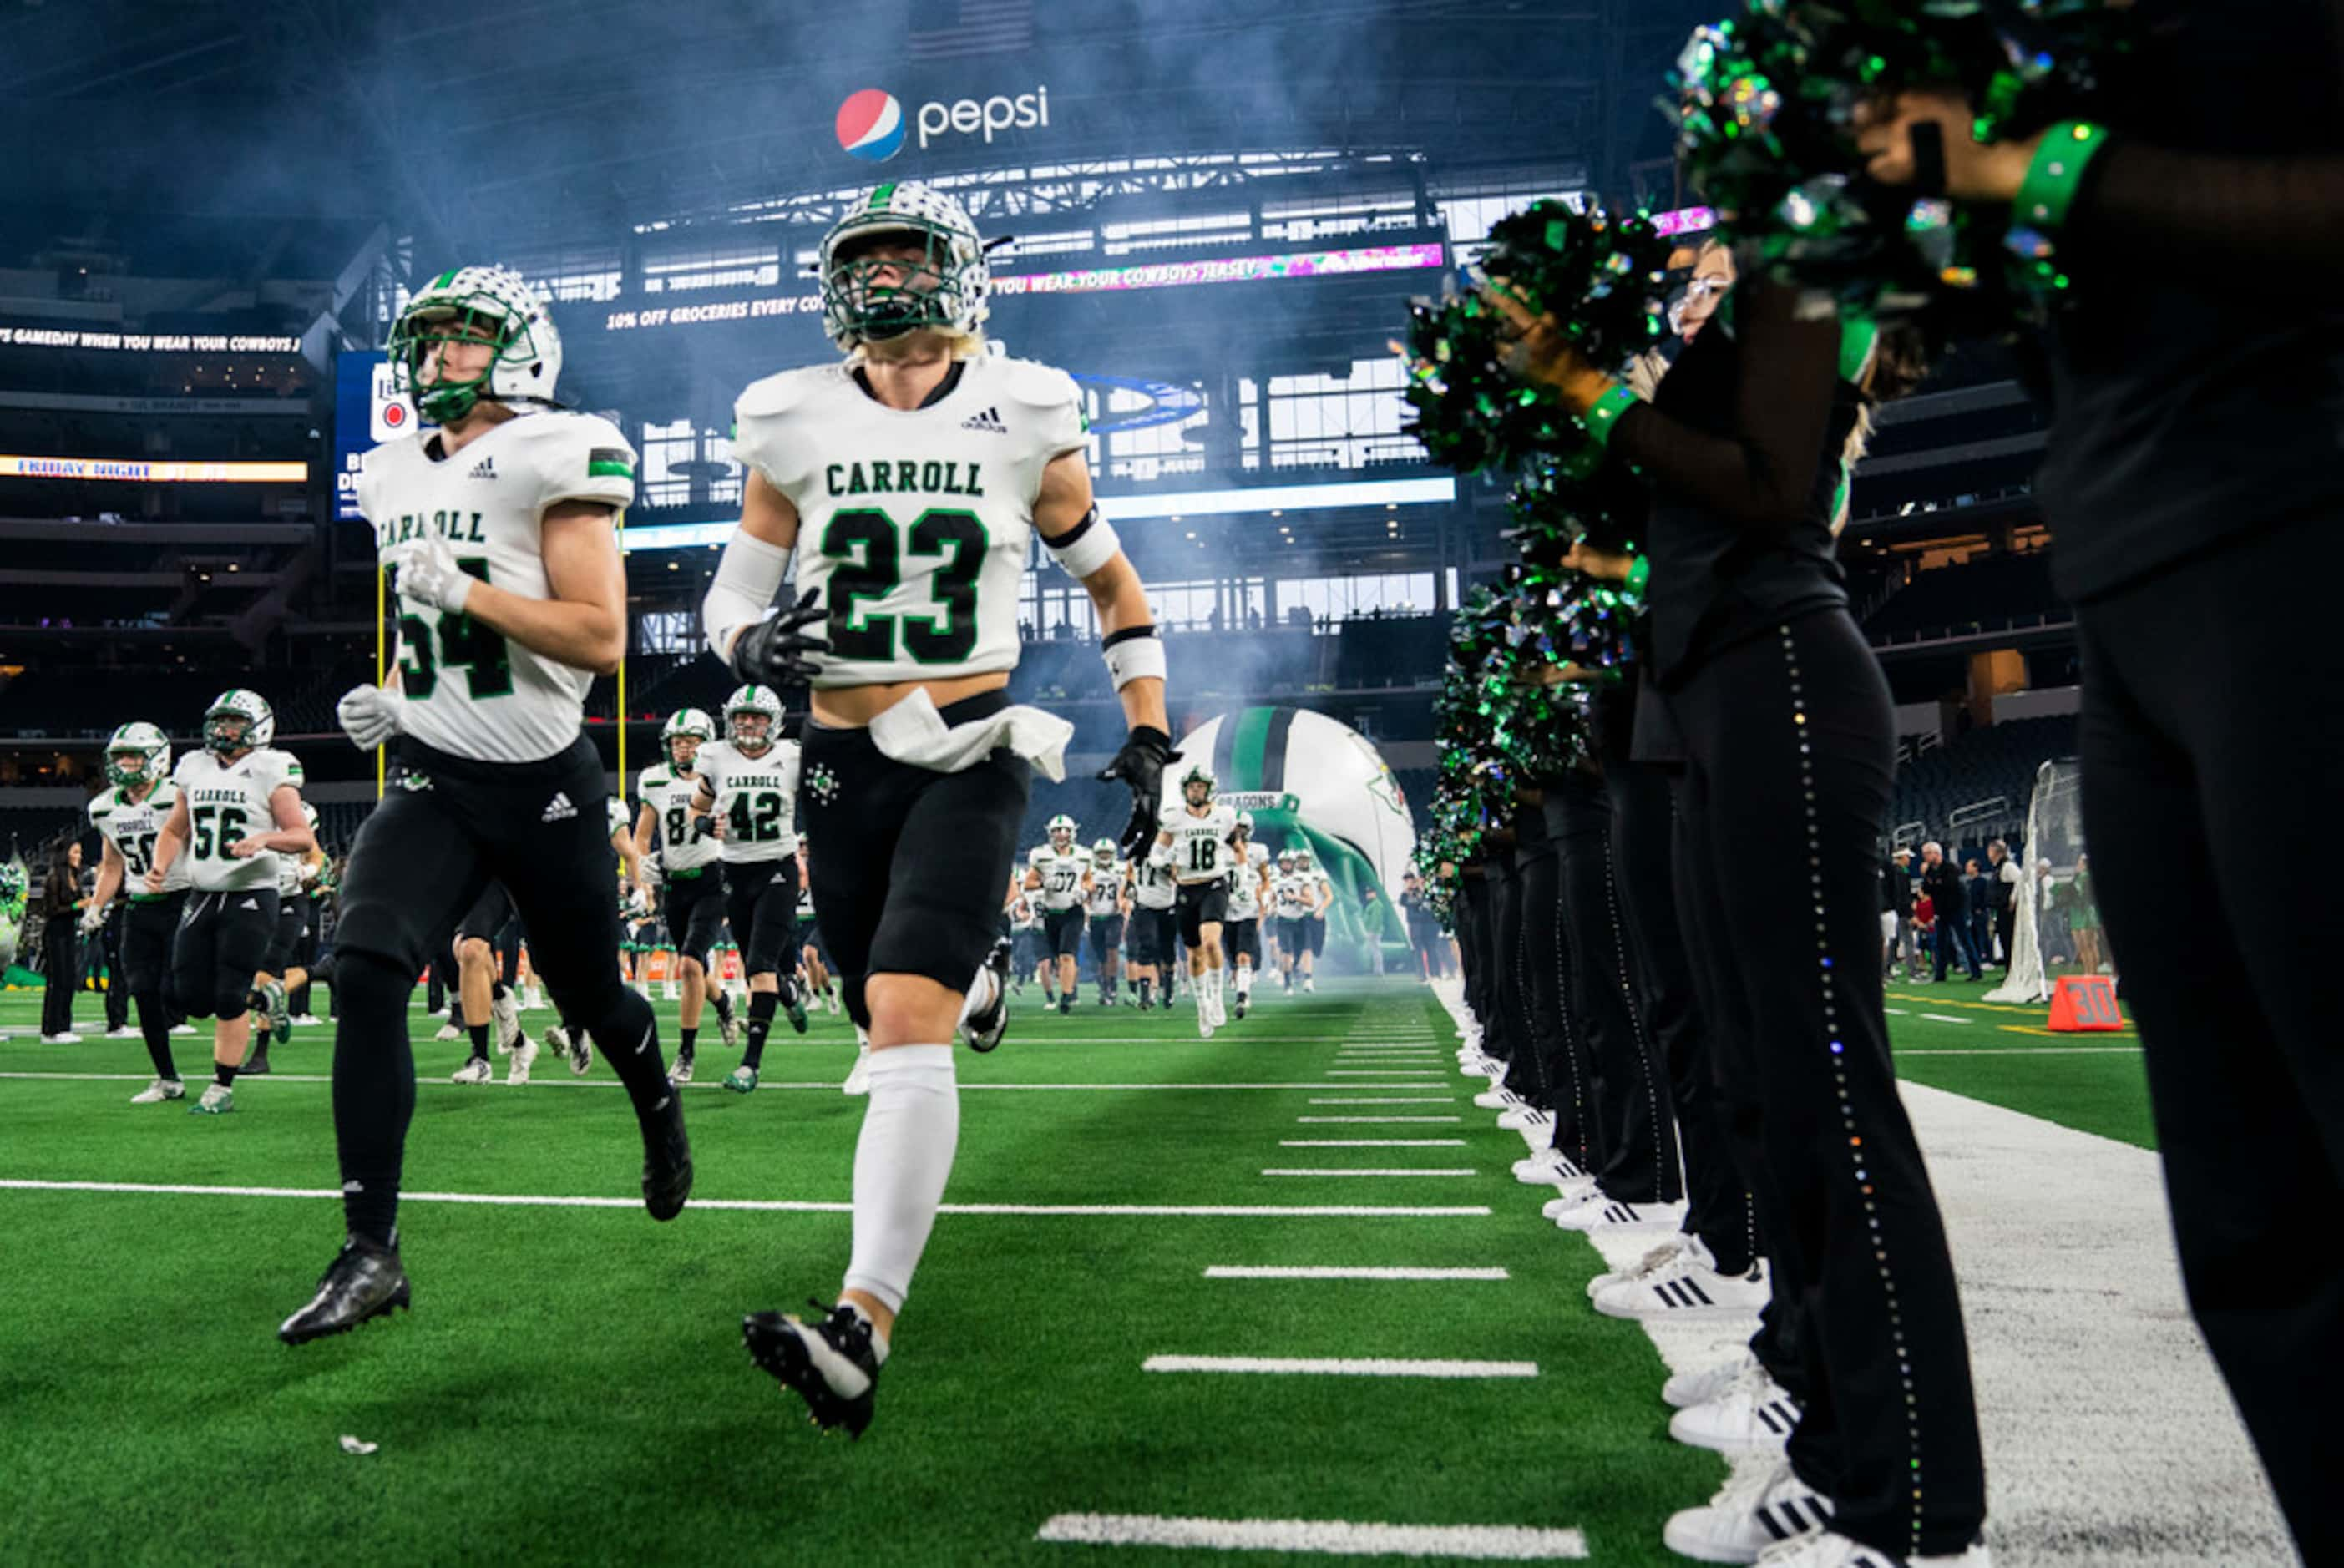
pixel 866 549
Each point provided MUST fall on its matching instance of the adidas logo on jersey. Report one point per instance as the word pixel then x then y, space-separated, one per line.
pixel 988 421
pixel 485 469
pixel 558 807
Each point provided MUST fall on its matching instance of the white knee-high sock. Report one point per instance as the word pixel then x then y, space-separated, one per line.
pixel 1245 981
pixel 901 1163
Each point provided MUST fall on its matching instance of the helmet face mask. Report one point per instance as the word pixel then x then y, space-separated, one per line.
pixel 1103 853
pixel 1062 832
pixel 685 732
pixel 237 721
pixel 140 744
pixel 1196 785
pixel 752 720
pixel 449 319
pixel 906 259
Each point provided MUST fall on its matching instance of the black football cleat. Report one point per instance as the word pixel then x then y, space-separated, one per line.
pixel 984 1030
pixel 793 1005
pixel 363 1282
pixel 830 1363
pixel 667 1158
pixel 1241 1004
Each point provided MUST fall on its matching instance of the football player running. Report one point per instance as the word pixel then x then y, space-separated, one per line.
pixel 1196 844
pixel 688 858
pixel 512 598
pixel 1058 874
pixel 239 808
pixel 1105 900
pixel 909 480
pixel 1241 933
pixel 279 976
pixel 130 818
pixel 1291 897
pixel 1318 892
pixel 749 783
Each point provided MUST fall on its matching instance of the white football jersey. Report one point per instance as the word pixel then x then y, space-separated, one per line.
pixel 912 525
pixel 806 894
pixel 1062 876
pixel 686 843
pixel 1322 888
pixel 1245 893
pixel 471 692
pixel 756 796
pixel 228 802
pixel 1292 896
pixel 1152 886
pixel 288 866
pixel 1200 847
pixel 1107 890
pixel 1023 915
pixel 131 827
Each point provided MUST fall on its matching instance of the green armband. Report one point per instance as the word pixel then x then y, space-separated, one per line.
pixel 1640 571
pixel 1606 410
pixel 2057 173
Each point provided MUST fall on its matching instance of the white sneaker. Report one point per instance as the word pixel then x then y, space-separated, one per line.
pixel 67 1038
pixel 1569 1190
pixel 122 1032
pixel 218 1099
pixel 1205 1023
pixel 1752 1416
pixel 524 1056
pixel 1830 1551
pixel 1310 984
pixel 1687 1288
pixel 830 1001
pixel 1545 1170
pixel 1597 1212
pixel 533 1000
pixel 475 1071
pixel 1701 1385
pixel 668 993
pixel 183 1029
pixel 1517 1118
pixel 160 1090
pixel 306 1021
pixel 449 1032
pixel 1761 1505
pixel 504 1017
pixel 678 1071
pixel 858 1081
pixel 1651 1262
pixel 1496 1099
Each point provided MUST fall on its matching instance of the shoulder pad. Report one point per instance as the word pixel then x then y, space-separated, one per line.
pixel 1033 383
pixel 778 394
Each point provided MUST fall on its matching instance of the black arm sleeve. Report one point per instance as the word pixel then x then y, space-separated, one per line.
pixel 1762 475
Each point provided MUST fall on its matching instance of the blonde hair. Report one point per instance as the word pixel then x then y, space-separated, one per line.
pixel 959 345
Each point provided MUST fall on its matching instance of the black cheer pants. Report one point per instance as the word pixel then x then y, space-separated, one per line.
pixel 1789 740
pixel 2212 763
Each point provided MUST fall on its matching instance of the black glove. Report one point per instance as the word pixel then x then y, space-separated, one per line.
pixel 1140 764
pixel 772 652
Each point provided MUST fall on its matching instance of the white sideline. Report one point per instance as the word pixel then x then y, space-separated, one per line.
pixel 1235 1272
pixel 1403 1099
pixel 1324 1537
pixel 1458 1170
pixel 1370 1143
pixel 1323 1119
pixel 1340 1366
pixel 783 1206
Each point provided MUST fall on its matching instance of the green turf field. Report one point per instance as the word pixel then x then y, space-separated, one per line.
pixel 571 1385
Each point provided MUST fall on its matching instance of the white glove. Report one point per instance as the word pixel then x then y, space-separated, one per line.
pixel 640 901
pixel 371 715
pixel 429 575
pixel 92 919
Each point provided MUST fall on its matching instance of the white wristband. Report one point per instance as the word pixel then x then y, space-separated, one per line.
pixel 1133 654
pixel 1091 545
pixel 747 577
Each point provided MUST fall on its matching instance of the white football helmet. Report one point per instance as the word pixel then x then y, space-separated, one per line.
pixel 259 726
pixel 856 310
pixel 527 360
pixel 1103 855
pixel 690 721
pixel 141 740
pixel 1062 832
pixel 752 700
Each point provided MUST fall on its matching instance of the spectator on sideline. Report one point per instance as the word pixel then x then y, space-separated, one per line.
pixel 1925 931
pixel 60 949
pixel 1977 892
pixel 1942 880
pixel 1896 914
pixel 2007 879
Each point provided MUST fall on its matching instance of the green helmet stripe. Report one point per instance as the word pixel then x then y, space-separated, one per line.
pixel 880 198
pixel 444 279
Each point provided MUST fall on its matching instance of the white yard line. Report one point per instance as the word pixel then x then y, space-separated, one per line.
pixel 1384 1120
pixel 1340 1367
pixel 1401 1099
pixel 1455 1170
pixel 567 1082
pixel 2022 1051
pixel 777 1205
pixel 1322 1537
pixel 1370 1143
pixel 1945 1018
pixel 1236 1271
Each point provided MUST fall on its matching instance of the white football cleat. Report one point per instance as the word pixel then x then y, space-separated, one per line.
pixel 474 1071
pixel 1597 1212
pixel 218 1099
pixel 1702 1384
pixel 160 1090
pixel 1752 1416
pixel 1687 1288
pixel 183 1029
pixel 524 1056
pixel 306 1021
pixel 449 1032
pixel 1830 1551
pixel 122 1032
pixel 678 1071
pixel 504 1017
pixel 830 1000
pixel 67 1039
pixel 668 993
pixel 858 1081
pixel 1761 1505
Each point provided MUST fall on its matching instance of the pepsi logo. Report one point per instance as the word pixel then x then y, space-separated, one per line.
pixel 871 125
